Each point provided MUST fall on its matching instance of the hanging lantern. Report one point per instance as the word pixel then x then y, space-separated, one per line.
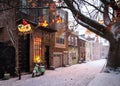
pixel 24 27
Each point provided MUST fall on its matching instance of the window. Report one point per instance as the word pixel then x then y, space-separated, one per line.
pixel 24 4
pixel 75 41
pixel 69 41
pixel 72 41
pixel 37 50
pixel 61 27
pixel 61 39
pixel 73 55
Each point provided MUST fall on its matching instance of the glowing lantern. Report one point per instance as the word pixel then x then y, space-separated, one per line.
pixel 44 23
pixel 59 20
pixel 37 59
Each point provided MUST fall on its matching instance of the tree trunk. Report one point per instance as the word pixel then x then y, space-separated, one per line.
pixel 114 54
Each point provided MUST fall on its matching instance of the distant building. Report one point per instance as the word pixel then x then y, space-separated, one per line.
pixel 81 49
pixel 73 47
pixel 88 49
pixel 95 48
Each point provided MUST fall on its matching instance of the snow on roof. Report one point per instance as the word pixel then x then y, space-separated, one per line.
pixel 82 37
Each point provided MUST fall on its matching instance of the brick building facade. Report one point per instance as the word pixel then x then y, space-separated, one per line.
pixel 42 42
pixel 81 49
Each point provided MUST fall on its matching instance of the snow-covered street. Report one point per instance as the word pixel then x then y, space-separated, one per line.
pixel 75 75
pixel 106 79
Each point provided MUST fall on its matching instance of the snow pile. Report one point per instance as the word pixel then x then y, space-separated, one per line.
pixel 112 70
pixel 106 79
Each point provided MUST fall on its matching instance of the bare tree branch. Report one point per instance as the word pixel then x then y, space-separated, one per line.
pixel 94 6
pixel 110 3
pixel 107 19
pixel 89 23
pixel 82 17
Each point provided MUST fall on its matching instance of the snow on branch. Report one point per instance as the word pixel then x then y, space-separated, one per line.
pixel 90 28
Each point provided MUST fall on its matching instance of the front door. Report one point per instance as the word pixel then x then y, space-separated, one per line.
pixel 23 52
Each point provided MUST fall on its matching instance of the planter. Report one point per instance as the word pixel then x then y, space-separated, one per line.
pixel 6 76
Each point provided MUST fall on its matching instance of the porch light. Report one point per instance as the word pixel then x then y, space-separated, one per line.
pixel 24 27
pixel 37 59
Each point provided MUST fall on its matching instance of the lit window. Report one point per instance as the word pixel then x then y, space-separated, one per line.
pixel 37 50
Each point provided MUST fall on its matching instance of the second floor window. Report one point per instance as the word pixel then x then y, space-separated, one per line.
pixel 61 39
pixel 75 41
pixel 23 6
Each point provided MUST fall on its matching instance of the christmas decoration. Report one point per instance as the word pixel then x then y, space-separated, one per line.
pixel 24 27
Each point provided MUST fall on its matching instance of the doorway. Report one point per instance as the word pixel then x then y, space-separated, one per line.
pixel 23 53
pixel 7 59
pixel 47 59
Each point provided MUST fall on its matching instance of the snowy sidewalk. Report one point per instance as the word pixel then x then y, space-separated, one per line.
pixel 74 75
pixel 106 79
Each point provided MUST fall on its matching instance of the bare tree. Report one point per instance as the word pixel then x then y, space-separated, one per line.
pixel 110 29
